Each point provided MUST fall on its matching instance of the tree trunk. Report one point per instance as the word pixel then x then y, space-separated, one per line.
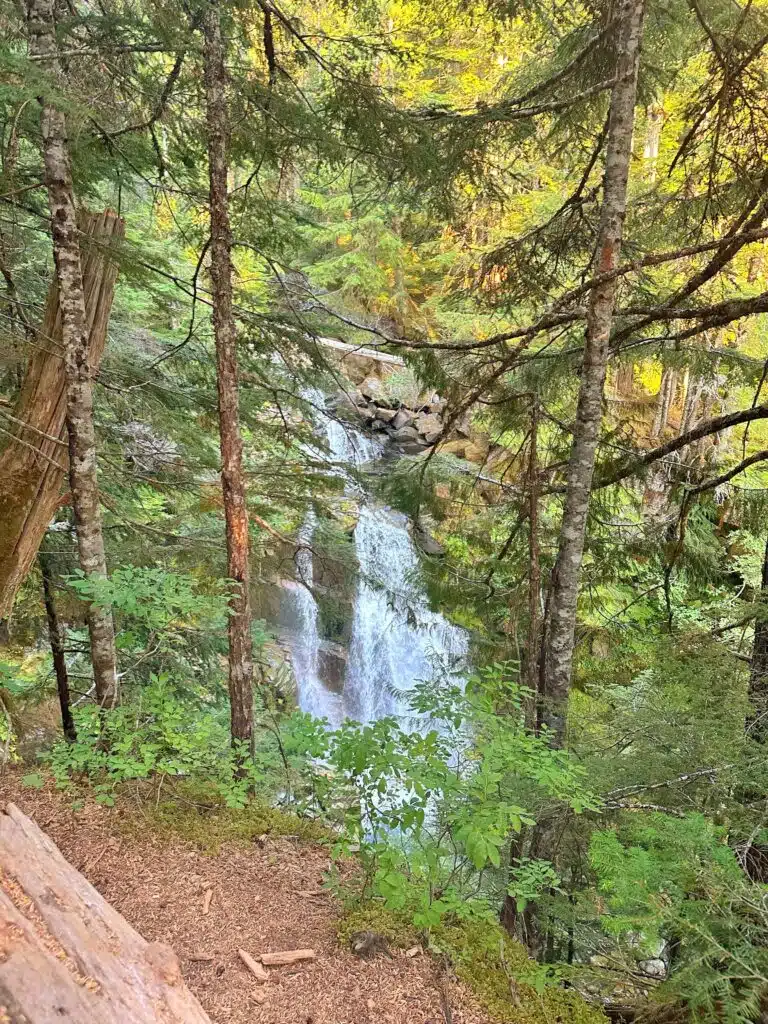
pixel 758 672
pixel 232 479
pixel 664 401
pixel 534 571
pixel 74 332
pixel 56 639
pixel 567 572
pixel 35 462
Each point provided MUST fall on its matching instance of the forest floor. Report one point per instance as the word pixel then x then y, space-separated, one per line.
pixel 266 896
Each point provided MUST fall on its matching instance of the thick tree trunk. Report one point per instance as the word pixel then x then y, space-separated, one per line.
pixel 567 572
pixel 74 331
pixel 35 462
pixel 232 479
pixel 56 639
pixel 758 672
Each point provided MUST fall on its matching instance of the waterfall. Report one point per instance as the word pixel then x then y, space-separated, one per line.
pixel 314 697
pixel 396 639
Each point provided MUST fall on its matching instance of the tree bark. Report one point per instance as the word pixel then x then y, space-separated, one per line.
pixel 664 401
pixel 35 461
pixel 232 478
pixel 67 954
pixel 758 672
pixel 56 640
pixel 534 571
pixel 567 572
pixel 74 331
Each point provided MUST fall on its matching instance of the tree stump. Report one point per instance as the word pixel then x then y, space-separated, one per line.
pixel 66 954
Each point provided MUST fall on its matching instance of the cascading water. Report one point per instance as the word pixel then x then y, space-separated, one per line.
pixel 396 639
pixel 314 697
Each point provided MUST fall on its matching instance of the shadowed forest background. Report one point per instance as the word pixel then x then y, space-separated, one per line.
pixel 383 400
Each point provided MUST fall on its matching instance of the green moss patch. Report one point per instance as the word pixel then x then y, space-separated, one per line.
pixel 496 967
pixel 202 819
pixel 395 927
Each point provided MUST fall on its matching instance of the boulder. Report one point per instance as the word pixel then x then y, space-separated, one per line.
pixel 476 451
pixel 365 412
pixel 386 415
pixel 401 419
pixel 455 447
pixel 413 447
pixel 429 423
pixel 372 388
pixel 344 399
pixel 406 434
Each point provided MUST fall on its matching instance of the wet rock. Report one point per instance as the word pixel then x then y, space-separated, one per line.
pixel 344 399
pixel 332 665
pixel 424 540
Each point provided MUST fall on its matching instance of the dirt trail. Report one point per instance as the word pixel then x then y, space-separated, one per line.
pixel 265 898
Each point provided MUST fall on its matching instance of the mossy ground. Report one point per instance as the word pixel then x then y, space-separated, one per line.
pixel 199 816
pixel 494 966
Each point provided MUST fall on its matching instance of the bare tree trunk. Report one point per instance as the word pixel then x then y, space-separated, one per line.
pixel 534 570
pixel 56 639
pixel 232 479
pixel 510 917
pixel 654 123
pixel 565 578
pixel 757 722
pixel 35 462
pixel 691 404
pixel 664 400
pixel 74 331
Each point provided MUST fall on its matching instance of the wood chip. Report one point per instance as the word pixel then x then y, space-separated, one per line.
pixel 201 958
pixel 413 951
pixel 253 965
pixel 288 956
pixel 207 900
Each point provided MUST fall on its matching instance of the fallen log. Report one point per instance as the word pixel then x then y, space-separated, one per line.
pixel 35 461
pixel 66 954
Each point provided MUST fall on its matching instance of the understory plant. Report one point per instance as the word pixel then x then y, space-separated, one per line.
pixel 433 809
